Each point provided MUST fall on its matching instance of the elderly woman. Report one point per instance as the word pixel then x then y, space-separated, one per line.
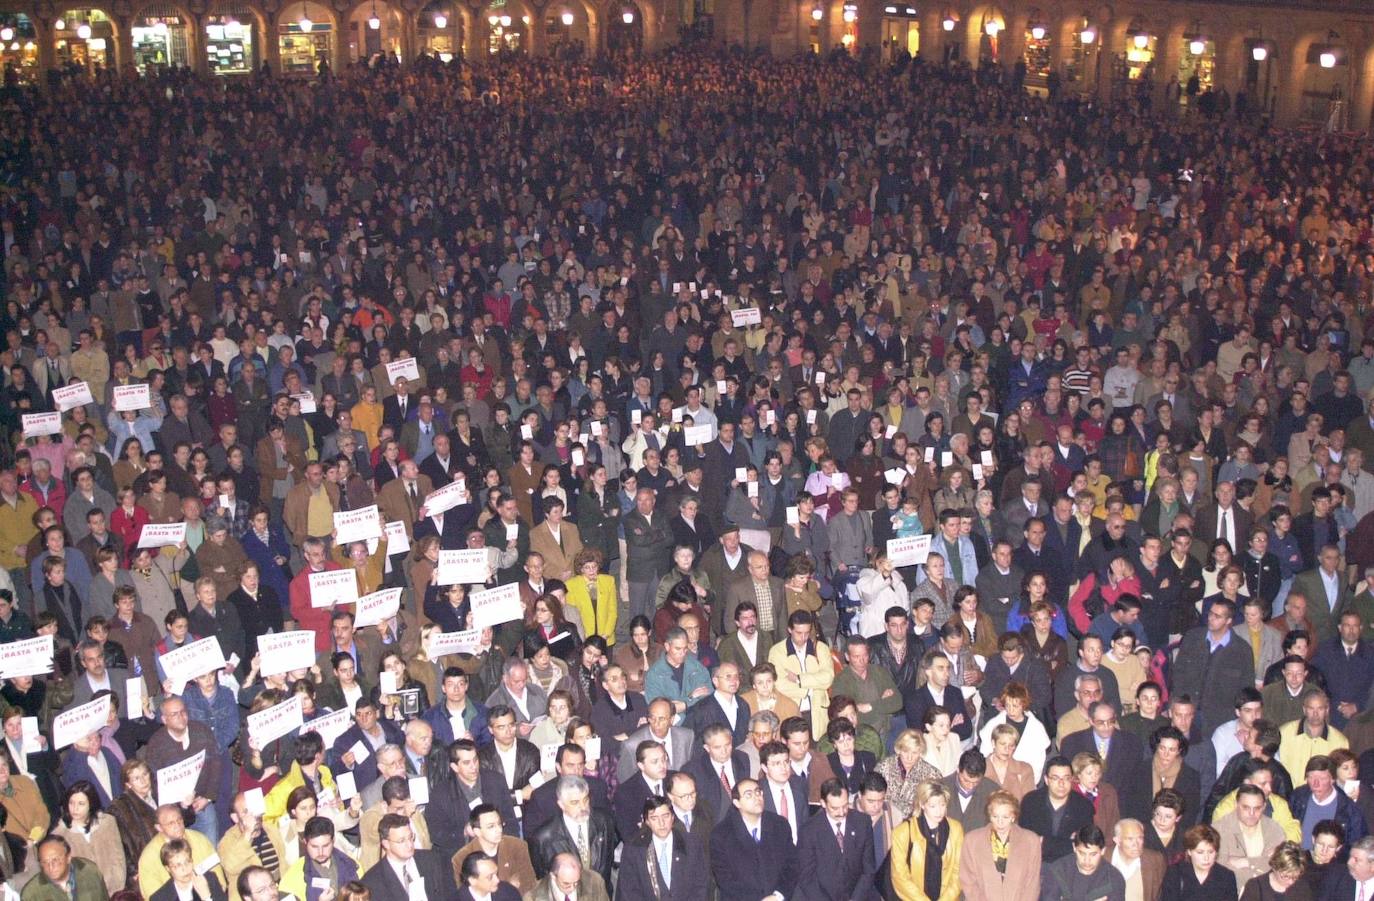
pixel 592 593
pixel 938 588
pixel 905 769
pixel 926 848
pixel 221 558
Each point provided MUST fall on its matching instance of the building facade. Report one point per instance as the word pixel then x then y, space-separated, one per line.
pixel 1299 64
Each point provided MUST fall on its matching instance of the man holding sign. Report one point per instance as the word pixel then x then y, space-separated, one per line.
pixel 180 739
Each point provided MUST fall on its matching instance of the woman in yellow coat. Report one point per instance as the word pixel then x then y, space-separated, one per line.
pixel 367 416
pixel 926 848
pixel 599 615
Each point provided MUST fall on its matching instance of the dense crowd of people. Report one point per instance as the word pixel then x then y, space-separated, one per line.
pixel 698 476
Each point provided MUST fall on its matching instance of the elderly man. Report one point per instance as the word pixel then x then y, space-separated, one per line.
pixel 1121 752
pixel 1248 837
pixel 528 701
pixel 181 738
pixel 568 878
pixel 579 829
pixel 62 876
pixel 1141 868
pixel 766 593
pixel 678 741
pixel 247 844
pixel 677 675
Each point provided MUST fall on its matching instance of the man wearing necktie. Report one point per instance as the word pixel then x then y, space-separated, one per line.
pixel 664 861
pixel 835 850
pixel 752 853
pixel 404 872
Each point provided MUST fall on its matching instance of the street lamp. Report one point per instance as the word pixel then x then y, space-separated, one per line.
pixel 628 17
pixel 1259 53
pixel 83 31
pixel 567 18
pixel 1088 34
pixel 304 23
pixel 440 20
pixel 817 13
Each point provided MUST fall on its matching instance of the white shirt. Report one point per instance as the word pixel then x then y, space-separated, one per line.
pixel 402 869
pixel 750 645
pixel 521 703
pixel 780 792
pixel 508 763
pixel 1227 528
pixel 730 704
pixel 1364 890
pixel 101 770
pixel 1333 587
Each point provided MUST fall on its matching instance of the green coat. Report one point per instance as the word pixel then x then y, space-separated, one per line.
pixel 1363 604
pixel 870 691
pixel 1323 618
pixel 89 885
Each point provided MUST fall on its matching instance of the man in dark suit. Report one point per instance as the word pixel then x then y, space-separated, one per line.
pixel 651 761
pixel 1123 756
pixel 784 792
pixel 373 733
pixel 835 851
pixel 723 704
pixel 969 791
pixel 578 829
pixel 542 806
pixel 717 768
pixel 480 879
pixel 752 853
pixel 397 408
pixel 1224 519
pixel 1013 664
pixel 1055 811
pixel 1358 880
pixel 505 736
pixel 467 785
pixel 393 877
pixel 663 861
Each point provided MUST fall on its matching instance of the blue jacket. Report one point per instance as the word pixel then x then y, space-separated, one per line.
pixel 967 556
pixel 1347 812
pixel 659 681
pixel 75 768
pixel 474 714
pixel 220 713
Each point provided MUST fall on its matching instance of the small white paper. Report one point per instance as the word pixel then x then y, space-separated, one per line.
pixel 678 413
pixel 207 864
pixel 387 683
pixel 890 431
pixel 513 531
pixel 255 801
pixel 417 891
pixel 596 428
pixel 132 398
pixel 635 416
pixel 741 473
pixel 894 476
pixel 837 480
pixel 793 516
pixel 360 752
pixel 987 458
pixel 810 417
pixel 70 396
pixel 538 779
pixel 752 489
pixel 321 883
pixel 419 789
pixel 720 387
pixel 820 379
pixel 526 432
pixel 978 472
pixel 347 784
pixel 592 749
pixel 29 727
pixel 133 690
pixel 770 417
pixel 578 457
pixel 307 402
pixel 946 459
pixel 677 287
pixel 930 455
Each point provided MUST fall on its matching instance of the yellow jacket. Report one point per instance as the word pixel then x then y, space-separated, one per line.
pixel 152 875
pixel 236 854
pixel 368 419
pixel 815 682
pixel 602 620
pixel 1297 747
pixel 909 862
pixel 16 529
pixel 275 802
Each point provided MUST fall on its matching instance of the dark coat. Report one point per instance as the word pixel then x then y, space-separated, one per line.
pixel 709 787
pixel 434 870
pixel 1036 816
pixel 447 812
pixel 829 873
pixel 1213 679
pixel 746 870
pixel 1126 761
pixel 641 879
pixel 708 712
pixel 553 839
pixel 543 804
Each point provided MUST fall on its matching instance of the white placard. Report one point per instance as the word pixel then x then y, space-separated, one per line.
pixel 548 756
pixel 513 531
pixel 284 652
pixel 357 525
pixel 28 727
pixel 793 516
pixel 596 428
pixel 167 534
pixel 946 459
pixel 468 566
pixel 408 369
pixel 987 458
pixel 895 476
pixel 255 801
pixel 578 457
pixel 268 725
pixel 132 398
pixel 397 542
pixel 678 413
pixel 441 644
pixel 527 432
pixel 746 316
pixel 347 784
pixel 69 397
pixel 811 417
pixel 741 474
pixel 30 657
pixel 133 692
pixel 838 481
pixel 360 752
pixel 387 684
pixel 419 790
pixel 176 784
pixel 770 417
pixel 496 606
pixel 930 455
pixel 751 489
pixel 78 722
pixel 889 432
pixel 697 435
pixel 330 726
pixel 377 607
pixel 333 587
pixel 721 387
pixel 592 749
pixel 193 659
pixel 35 424
pixel 978 472
pixel 911 551
pixel 441 500
pixel 207 864
pixel 820 379
pixel 307 402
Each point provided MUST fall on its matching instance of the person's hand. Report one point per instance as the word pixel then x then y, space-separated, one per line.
pixel 701 691
pixel 202 886
pixel 349 760
pixel 168 687
pixel 888 693
pixel 1347 709
pixel 842 568
pixel 328 895
pixel 525 729
pixel 198 803
pixel 865 708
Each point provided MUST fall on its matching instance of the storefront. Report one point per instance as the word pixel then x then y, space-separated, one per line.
pixel 229 44
pixel 161 39
pixel 1139 58
pixel 1198 60
pixel 18 49
pixel 440 29
pixel 83 40
pixel 374 30
pixel 305 39
pixel 506 29
pixel 901 32
pixel 1035 55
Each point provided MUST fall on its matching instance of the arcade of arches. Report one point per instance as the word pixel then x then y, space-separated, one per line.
pixel 1297 64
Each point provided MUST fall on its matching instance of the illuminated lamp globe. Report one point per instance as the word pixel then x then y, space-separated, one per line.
pixel 60 24
pixel 505 21
pixel 6 33
pixel 440 21
pixel 627 17
pixel 567 19
pixel 83 31
pixel 1328 60
pixel 992 28
pixel 1038 32
pixel 947 24
pixel 1259 53
pixel 851 15
pixel 1196 46
pixel 304 24
pixel 1142 41
pixel 374 23
pixel 1087 35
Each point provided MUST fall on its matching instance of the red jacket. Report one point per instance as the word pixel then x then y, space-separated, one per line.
pixel 57 495
pixel 308 617
pixel 128 528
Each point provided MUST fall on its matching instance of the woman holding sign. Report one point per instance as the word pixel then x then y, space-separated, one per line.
pixel 400 697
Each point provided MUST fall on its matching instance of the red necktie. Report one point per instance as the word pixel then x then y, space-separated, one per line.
pixel 782 808
pixel 725 780
pixel 839 837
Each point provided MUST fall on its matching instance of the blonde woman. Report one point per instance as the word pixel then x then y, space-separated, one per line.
pixel 926 849
pixel 905 769
pixel 1001 861
pixel 1015 777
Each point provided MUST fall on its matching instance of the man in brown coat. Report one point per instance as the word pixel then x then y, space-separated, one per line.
pixel 400 500
pixel 281 465
pixel 760 584
pixel 557 540
pixel 296 511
